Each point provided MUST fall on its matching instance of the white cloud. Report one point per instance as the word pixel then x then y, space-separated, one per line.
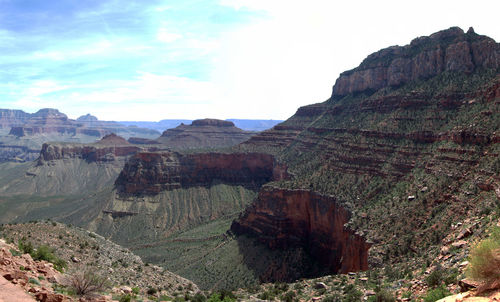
pixel 165 36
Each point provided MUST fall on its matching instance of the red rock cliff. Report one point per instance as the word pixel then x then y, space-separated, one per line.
pixel 447 50
pixel 286 218
pixel 152 172
pixel 107 149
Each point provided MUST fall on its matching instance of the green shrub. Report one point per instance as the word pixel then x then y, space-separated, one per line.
pixel 44 252
pixel 125 298
pixel 15 253
pixel 199 297
pixel 436 294
pixel 135 290
pixel 352 294
pixel 384 296
pixel 25 247
pixel 34 281
pixel 435 278
pixel 289 296
pixel 332 298
pixel 217 297
pixel 484 262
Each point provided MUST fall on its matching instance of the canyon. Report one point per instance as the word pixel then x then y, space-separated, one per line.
pixel 412 132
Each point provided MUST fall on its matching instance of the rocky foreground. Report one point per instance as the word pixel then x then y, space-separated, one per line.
pixel 82 252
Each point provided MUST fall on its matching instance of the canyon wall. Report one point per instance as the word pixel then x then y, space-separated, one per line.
pixel 448 50
pixel 283 219
pixel 153 172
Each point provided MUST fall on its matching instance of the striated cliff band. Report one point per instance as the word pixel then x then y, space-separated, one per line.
pixel 153 172
pixel 282 219
pixel 424 147
pixel 425 57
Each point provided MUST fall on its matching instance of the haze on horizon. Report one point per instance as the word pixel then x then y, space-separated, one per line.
pixel 165 59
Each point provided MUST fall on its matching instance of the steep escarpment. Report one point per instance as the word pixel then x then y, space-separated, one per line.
pixel 282 219
pixel 205 133
pixel 107 149
pixel 153 172
pixel 425 57
pixel 426 149
pixel 65 168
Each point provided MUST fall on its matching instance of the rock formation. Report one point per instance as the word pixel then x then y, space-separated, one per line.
pixel 447 50
pixel 49 120
pixel 282 219
pixel 206 133
pixel 107 149
pixel 433 134
pixel 10 118
pixel 153 172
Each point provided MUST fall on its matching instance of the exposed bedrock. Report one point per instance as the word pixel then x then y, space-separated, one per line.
pixel 424 57
pixel 284 219
pixel 153 172
pixel 107 149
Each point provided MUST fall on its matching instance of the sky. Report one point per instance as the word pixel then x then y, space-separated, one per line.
pixel 187 59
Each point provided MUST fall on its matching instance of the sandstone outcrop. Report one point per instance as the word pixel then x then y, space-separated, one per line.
pixel 282 219
pixel 205 133
pixel 424 57
pixel 153 172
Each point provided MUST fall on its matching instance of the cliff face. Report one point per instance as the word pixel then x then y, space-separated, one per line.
pixel 425 57
pixel 107 149
pixel 206 133
pixel 282 219
pixel 44 121
pixel 153 172
pixel 436 139
pixel 10 118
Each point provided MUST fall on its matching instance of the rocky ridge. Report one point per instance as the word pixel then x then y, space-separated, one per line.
pixel 52 121
pixel 448 50
pixel 81 250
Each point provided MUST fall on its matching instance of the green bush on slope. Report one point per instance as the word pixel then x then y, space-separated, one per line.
pixel 484 263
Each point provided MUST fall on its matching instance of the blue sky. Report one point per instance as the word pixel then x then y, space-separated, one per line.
pixel 157 59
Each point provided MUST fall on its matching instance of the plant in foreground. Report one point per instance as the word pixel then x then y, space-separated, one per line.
pixel 484 262
pixel 87 282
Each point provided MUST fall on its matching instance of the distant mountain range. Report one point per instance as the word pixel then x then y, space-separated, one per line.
pixel 245 124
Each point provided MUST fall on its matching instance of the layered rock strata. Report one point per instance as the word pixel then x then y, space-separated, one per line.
pixel 282 219
pixel 107 149
pixel 447 50
pixel 153 172
pixel 205 133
